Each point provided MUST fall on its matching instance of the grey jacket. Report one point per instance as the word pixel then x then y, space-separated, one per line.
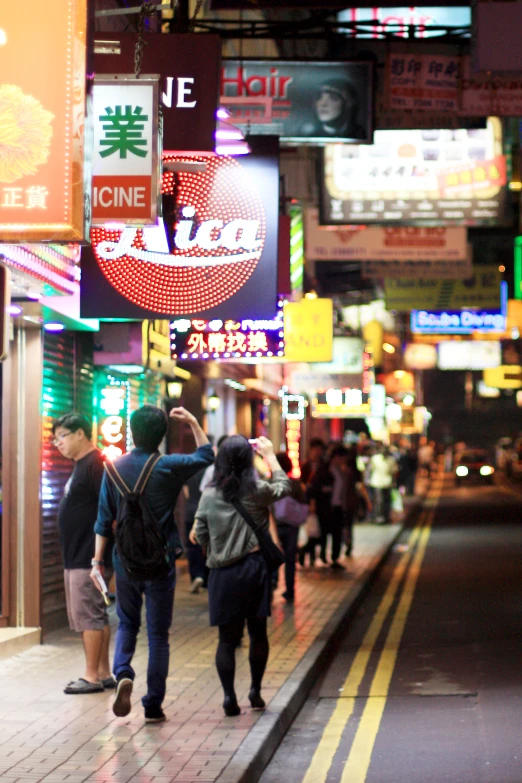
pixel 224 532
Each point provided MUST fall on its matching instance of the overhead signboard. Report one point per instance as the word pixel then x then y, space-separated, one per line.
pixel 347 356
pixel 214 254
pixel 390 243
pixel 341 404
pixel 482 290
pixel 419 356
pixel 426 270
pixel 427 81
pixel 298 100
pixel 507 376
pixel 42 121
pixel 309 380
pixel 229 339
pixel 468 354
pixel 125 165
pixel 461 321
pixel 386 20
pixel 189 74
pixel 418 177
pixel 309 330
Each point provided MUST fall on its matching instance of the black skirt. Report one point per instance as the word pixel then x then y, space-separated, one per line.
pixel 239 591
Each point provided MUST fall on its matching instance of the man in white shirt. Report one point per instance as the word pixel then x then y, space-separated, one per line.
pixel 383 469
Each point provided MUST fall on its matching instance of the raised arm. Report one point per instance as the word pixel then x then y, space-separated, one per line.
pixel 181 414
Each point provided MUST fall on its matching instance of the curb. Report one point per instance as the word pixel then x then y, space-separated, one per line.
pixel 249 762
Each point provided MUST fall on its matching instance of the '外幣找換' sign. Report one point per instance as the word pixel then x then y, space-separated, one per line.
pixel 126 146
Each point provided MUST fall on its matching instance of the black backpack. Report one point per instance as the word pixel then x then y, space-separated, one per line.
pixel 140 542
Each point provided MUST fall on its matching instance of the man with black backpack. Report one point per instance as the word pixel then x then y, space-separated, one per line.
pixel 139 493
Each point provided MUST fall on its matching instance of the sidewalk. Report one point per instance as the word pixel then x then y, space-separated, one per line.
pixel 48 736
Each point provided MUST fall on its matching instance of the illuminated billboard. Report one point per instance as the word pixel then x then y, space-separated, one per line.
pixel 417 177
pixel 42 119
pixel 213 255
pixel 465 321
pixel 229 339
pixel 468 354
pixel 302 101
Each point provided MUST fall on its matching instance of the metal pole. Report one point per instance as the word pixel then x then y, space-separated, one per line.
pixel 181 21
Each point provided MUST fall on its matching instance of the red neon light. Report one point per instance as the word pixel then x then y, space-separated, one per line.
pixel 223 192
pixel 293 437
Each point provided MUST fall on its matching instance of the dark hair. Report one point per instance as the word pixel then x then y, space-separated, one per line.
pixel 148 426
pixel 74 422
pixel 316 442
pixel 339 451
pixel 285 461
pixel 234 468
pixel 221 440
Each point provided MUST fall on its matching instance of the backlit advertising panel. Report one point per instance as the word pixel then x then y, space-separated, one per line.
pixel 302 101
pixel 226 339
pixel 468 354
pixel 417 177
pixel 42 119
pixel 214 254
pixel 465 321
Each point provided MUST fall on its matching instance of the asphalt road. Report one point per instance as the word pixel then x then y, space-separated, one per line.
pixel 426 687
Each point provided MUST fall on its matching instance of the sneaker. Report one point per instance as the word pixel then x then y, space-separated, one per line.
pixel 122 701
pixel 154 715
pixel 197 584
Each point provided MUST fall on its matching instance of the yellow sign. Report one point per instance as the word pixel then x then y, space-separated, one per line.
pixel 309 331
pixel 507 376
pixel 480 290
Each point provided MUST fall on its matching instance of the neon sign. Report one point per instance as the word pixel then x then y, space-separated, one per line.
pixel 463 321
pixel 112 420
pixel 230 339
pixel 293 406
pixel 293 439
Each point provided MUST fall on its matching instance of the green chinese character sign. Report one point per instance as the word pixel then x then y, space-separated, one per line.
pixel 123 131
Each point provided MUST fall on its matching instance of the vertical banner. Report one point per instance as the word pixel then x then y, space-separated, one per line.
pixel 42 120
pixel 126 150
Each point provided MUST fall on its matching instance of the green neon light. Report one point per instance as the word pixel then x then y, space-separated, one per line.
pixel 297 258
pixel 518 268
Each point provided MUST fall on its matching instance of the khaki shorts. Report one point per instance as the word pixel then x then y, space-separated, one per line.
pixel 86 608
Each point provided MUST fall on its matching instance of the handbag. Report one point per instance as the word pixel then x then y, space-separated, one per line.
pixel 312 526
pixel 290 512
pixel 274 558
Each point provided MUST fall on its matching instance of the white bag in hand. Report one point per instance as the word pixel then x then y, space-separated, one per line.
pixel 312 526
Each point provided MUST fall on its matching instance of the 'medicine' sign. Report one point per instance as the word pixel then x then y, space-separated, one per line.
pixel 125 160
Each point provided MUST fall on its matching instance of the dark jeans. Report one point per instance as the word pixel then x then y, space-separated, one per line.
pixel 288 536
pixel 381 499
pixel 159 601
pixel 334 528
pixel 196 562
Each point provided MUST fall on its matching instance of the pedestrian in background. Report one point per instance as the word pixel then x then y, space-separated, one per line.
pixel 289 513
pixel 309 470
pixel 198 571
pixel 383 469
pixel 77 514
pixel 334 521
pixel 239 585
pixel 408 464
pixel 355 492
pixel 149 427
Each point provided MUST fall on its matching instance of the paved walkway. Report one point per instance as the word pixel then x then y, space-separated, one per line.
pixel 48 736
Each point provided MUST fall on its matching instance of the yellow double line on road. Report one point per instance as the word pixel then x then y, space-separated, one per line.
pixel 359 758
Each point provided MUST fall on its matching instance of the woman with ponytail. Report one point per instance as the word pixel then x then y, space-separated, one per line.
pixel 239 585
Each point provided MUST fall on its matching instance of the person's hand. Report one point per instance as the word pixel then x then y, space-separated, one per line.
pixel 264 447
pixel 182 414
pixel 192 537
pixel 97 570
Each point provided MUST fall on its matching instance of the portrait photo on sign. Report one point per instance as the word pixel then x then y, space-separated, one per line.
pixel 302 101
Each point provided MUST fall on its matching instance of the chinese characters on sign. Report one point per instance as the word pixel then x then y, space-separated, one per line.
pixel 42 121
pixel 423 82
pixel 112 429
pixel 125 183
pixel 217 339
pixel 346 403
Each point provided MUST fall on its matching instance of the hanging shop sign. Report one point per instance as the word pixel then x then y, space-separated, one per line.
pixel 293 434
pixel 468 354
pixel 507 376
pixel 189 82
pixel 426 270
pixel 385 20
pixel 346 403
pixel 423 81
pixel 55 268
pixel 229 339
pixel 214 253
pixel 482 290
pixel 391 243
pixel 420 356
pixel 300 101
pixel 461 321
pixel 417 177
pixel 347 357
pixel 309 330
pixel 112 412
pixel 127 152
pixel 42 121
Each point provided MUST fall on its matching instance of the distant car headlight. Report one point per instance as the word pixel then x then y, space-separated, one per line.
pixel 487 470
pixel 462 471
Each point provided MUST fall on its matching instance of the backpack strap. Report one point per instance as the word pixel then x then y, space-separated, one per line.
pixel 143 479
pixel 116 479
